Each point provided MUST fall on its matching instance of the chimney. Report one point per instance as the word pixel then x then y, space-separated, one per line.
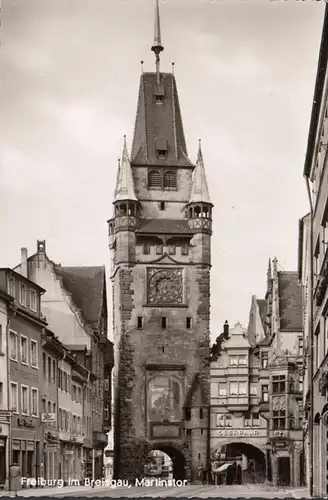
pixel 24 271
pixel 226 330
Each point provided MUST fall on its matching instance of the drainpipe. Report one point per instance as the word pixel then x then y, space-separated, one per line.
pixel 310 354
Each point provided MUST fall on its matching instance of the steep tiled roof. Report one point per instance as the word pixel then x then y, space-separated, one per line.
pixel 159 122
pixel 164 226
pixel 86 286
pixel 290 301
pixel 199 188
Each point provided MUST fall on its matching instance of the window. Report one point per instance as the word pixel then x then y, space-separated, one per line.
pixel 106 413
pixel 43 405
pixel 159 98
pixel 222 390
pixel 22 294
pixel 300 346
pixel 201 413
pixel 171 249
pixel 1 394
pixel 238 389
pixel 279 419
pixel 106 384
pixel 188 323
pixel 253 390
pixel 146 249
pixel 33 303
pixel 24 400
pixel 300 384
pixel 223 420
pixel 240 360
pixel 170 180
pixel 13 345
pixel 11 286
pixel 163 322
pixel 44 365
pixel 264 360
pixel 23 349
pixel 49 369
pixel 154 179
pixel 161 205
pixel 278 384
pixel 14 397
pixel 247 420
pixel 54 371
pixel 187 413
pixel 139 321
pixel 34 354
pixel 35 402
pixel 1 340
pixel 184 250
pixel 161 153
pixel 265 393
pixel 159 249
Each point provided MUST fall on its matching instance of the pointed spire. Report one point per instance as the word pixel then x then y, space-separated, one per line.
pixel 157 45
pixel 199 188
pixel 269 273
pixel 125 184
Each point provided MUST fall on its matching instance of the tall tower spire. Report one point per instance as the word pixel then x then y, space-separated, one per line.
pixel 157 45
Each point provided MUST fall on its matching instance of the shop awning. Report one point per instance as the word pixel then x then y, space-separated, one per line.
pixel 223 467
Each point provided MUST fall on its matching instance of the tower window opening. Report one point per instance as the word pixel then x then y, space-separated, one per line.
pixel 161 153
pixel 201 431
pixel 171 249
pixel 185 250
pixel 188 323
pixel 170 180
pixel 197 212
pixel 162 205
pixel 163 322
pixel 154 179
pixel 139 321
pixel 146 249
pixel 159 249
pixel 163 349
pixel 187 414
pixel 159 98
pixel 201 413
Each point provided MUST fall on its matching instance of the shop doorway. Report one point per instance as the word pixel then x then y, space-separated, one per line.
pixel 283 471
pixel 2 462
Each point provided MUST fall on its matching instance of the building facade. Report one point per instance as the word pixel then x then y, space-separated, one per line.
pixel 24 328
pixel 75 305
pixel 313 271
pixel 160 241
pixel 238 429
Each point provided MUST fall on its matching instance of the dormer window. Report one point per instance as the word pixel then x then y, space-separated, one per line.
pixel 159 98
pixel 161 153
pixel 159 93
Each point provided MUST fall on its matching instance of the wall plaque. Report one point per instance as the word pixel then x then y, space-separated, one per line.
pixel 238 433
pixel 165 431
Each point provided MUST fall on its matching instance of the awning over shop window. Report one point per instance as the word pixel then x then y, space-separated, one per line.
pixel 222 468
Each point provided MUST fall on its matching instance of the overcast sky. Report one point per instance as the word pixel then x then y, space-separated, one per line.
pixel 245 72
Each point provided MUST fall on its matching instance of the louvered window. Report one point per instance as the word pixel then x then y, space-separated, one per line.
pixel 170 180
pixel 154 180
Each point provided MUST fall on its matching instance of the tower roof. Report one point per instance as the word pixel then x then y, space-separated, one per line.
pixel 159 125
pixel 199 188
pixel 124 183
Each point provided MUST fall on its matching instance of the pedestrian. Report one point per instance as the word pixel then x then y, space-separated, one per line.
pixel 204 475
pixel 15 478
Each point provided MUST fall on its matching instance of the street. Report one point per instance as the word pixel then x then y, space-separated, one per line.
pixel 200 491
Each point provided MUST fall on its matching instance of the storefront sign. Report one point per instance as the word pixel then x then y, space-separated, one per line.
pixel 69 452
pixel 5 415
pixel 2 443
pixel 48 418
pixel 238 433
pixel 16 444
pixel 30 445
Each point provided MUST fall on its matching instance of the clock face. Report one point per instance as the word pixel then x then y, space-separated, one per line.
pixel 279 403
pixel 165 286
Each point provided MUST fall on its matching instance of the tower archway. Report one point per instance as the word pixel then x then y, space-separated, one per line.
pixel 166 459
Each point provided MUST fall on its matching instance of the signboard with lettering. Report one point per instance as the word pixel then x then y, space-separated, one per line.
pixel 238 433
pixel 30 445
pixel 69 452
pixel 51 447
pixel 165 431
pixel 48 418
pixel 5 415
pixel 16 444
pixel 2 443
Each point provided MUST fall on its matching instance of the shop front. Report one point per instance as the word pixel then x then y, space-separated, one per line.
pixel 51 455
pixel 26 454
pixel 71 457
pixel 4 449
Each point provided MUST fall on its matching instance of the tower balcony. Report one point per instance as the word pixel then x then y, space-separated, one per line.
pixel 200 224
pixel 125 222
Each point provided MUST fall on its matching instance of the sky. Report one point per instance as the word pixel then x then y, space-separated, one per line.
pixel 245 71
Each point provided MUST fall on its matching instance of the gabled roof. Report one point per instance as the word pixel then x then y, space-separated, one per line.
pixel 199 187
pixel 87 288
pixel 290 301
pixel 159 122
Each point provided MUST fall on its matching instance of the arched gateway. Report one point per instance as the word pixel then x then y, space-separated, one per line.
pixel 251 459
pixel 180 464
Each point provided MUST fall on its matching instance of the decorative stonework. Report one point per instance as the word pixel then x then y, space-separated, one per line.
pixel 164 286
pixel 279 403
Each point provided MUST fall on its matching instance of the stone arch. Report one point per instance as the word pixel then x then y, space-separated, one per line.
pixel 256 467
pixel 179 454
